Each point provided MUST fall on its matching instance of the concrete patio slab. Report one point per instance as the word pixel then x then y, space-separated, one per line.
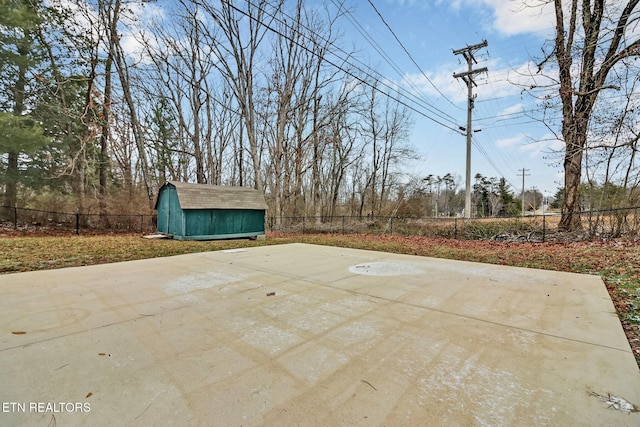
pixel 310 335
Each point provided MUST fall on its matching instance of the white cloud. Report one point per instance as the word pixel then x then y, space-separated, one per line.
pixel 538 147
pixel 441 79
pixel 544 146
pixel 453 4
pixel 404 2
pixel 147 12
pixel 511 17
pixel 137 17
pixel 501 81
pixel 85 17
pixel 509 80
pixel 517 108
pixel 522 16
pixel 511 142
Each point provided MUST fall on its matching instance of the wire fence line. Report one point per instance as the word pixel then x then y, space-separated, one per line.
pixel 35 219
pixel 596 224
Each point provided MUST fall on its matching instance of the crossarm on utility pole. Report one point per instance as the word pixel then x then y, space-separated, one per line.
pixel 467 76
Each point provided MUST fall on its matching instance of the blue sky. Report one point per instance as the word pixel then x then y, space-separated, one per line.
pixel 511 137
pixel 430 30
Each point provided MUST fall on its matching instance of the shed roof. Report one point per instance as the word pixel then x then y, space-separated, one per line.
pixel 204 196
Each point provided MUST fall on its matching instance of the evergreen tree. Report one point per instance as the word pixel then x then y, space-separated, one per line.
pixel 20 134
pixel 509 205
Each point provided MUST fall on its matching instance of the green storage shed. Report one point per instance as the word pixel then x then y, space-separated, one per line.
pixel 209 212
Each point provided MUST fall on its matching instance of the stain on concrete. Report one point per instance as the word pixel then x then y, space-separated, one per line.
pixel 386 268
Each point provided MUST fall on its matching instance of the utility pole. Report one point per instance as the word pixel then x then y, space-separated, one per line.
pixel 467 76
pixel 523 175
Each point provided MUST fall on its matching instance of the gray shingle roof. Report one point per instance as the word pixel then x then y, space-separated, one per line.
pixel 203 196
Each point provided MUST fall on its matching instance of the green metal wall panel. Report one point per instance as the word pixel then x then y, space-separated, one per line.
pixel 170 214
pixel 253 221
pixel 224 222
pixel 163 212
pixel 176 214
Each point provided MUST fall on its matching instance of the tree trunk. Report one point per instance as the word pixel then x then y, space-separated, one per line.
pixel 570 219
pixel 13 171
pixel 11 193
pixel 103 159
pixel 138 136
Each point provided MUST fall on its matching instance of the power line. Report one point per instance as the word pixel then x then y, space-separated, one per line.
pixel 358 78
pixel 509 125
pixel 486 156
pixel 389 61
pixel 409 55
pixel 516 115
pixel 363 32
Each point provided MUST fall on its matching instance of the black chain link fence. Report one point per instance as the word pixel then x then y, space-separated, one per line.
pixel 600 224
pixel 34 219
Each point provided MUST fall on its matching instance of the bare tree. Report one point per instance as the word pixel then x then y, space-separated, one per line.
pixel 227 129
pixel 242 30
pixel 612 158
pixel 122 68
pixel 183 54
pixel 122 153
pixel 321 76
pixel 109 12
pixel 299 78
pixel 385 128
pixel 372 132
pixel 342 152
pixel 286 73
pixel 600 32
pixel 396 131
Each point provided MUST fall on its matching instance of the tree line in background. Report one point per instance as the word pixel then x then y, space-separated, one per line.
pixel 443 196
pixel 215 94
pixel 100 104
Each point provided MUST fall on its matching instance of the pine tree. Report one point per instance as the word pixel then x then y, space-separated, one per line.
pixel 508 202
pixel 20 135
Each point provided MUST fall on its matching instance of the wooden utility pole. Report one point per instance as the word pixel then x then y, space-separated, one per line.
pixel 523 175
pixel 467 76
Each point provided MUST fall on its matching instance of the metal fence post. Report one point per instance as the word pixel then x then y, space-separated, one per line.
pixel 302 225
pixel 15 218
pixel 455 228
pixel 391 224
pixel 342 224
pixel 544 228
pixel 77 223
pixel 141 223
